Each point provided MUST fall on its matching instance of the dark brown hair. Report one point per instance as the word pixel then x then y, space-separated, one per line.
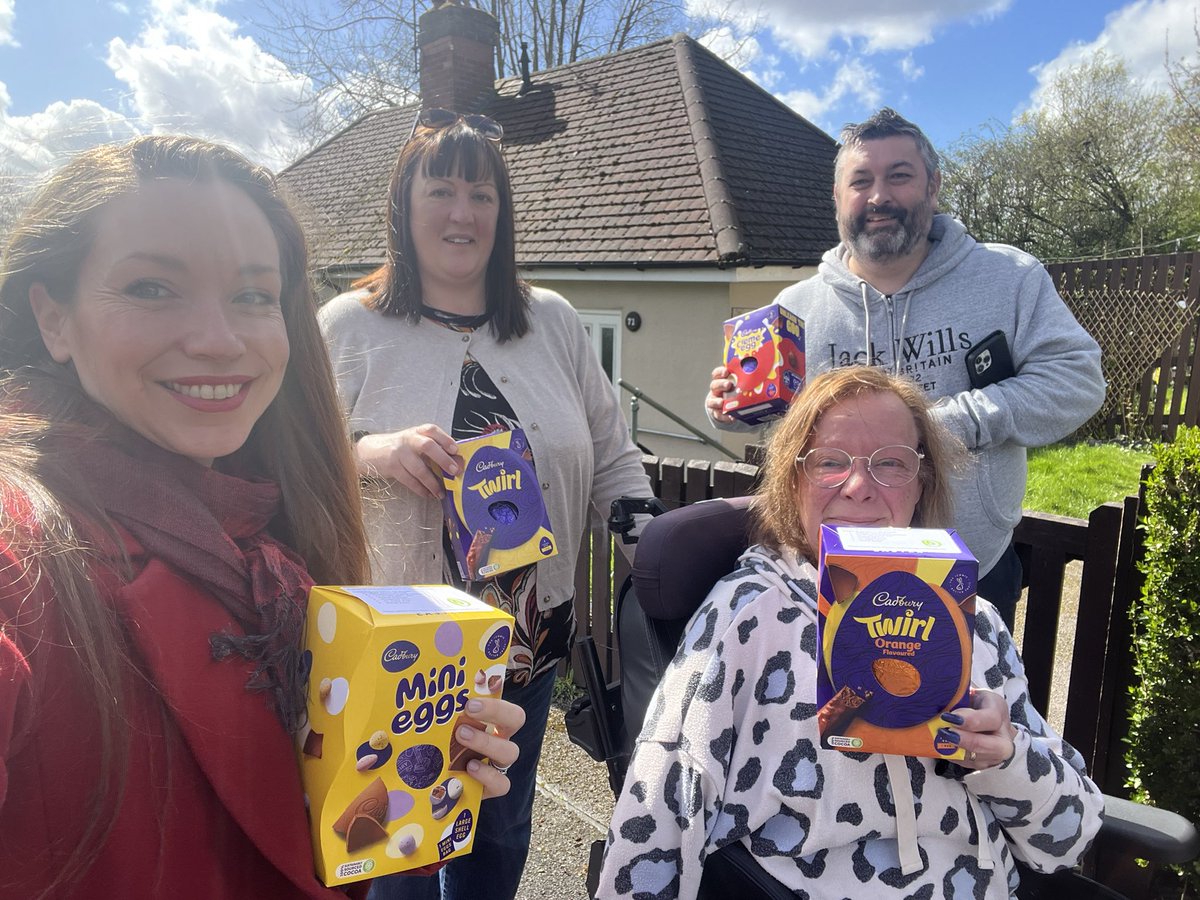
pixel 394 288
pixel 885 123
pixel 299 442
pixel 778 519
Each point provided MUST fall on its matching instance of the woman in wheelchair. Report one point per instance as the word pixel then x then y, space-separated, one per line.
pixel 729 750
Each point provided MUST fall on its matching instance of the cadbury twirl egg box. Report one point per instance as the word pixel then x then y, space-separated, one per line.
pixel 391 670
pixel 494 510
pixel 896 621
pixel 764 353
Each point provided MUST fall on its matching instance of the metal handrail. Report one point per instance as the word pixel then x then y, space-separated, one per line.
pixel 640 395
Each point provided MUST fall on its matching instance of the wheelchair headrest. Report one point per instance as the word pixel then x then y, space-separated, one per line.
pixel 683 553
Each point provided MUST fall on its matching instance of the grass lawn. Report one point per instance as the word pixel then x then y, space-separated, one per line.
pixel 1073 479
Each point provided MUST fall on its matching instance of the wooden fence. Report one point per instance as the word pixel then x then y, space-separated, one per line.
pixel 1145 313
pixel 1162 273
pixel 1100 670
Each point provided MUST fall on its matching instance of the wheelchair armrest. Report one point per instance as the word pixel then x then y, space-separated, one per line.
pixel 1157 835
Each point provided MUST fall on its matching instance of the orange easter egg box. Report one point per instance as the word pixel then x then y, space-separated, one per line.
pixel 896 621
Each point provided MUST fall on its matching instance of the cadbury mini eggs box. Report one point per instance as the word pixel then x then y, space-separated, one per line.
pixel 764 354
pixel 391 670
pixel 494 510
pixel 896 622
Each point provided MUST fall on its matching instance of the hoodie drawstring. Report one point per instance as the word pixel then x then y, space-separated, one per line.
pixel 906 819
pixel 896 349
pixel 906 813
pixel 985 845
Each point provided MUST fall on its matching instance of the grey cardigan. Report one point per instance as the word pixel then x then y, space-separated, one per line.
pixel 392 375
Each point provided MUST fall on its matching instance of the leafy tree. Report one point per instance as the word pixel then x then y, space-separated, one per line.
pixel 1091 170
pixel 361 54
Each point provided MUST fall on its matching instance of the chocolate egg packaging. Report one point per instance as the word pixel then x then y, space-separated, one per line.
pixel 390 672
pixel 764 353
pixel 896 622
pixel 494 510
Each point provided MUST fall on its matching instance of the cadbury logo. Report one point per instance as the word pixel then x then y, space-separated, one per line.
pixel 399 655
pixel 883 598
pixel 485 465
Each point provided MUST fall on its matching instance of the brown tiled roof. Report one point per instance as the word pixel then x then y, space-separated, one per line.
pixel 658 156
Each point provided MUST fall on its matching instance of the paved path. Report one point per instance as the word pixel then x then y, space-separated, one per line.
pixel 572 808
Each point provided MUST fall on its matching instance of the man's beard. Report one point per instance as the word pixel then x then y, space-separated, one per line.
pixel 896 240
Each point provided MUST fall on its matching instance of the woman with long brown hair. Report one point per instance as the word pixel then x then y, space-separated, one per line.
pixel 174 474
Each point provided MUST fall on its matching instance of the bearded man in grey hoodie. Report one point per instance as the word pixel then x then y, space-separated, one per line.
pixel 908 289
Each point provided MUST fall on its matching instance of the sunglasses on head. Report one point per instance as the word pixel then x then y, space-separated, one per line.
pixel 437 118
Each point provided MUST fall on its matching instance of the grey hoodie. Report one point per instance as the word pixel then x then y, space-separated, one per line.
pixel 963 291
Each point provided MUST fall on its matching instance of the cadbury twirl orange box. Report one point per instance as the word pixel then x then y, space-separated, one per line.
pixel 896 621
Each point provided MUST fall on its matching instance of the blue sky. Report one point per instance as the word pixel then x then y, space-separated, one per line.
pixel 77 72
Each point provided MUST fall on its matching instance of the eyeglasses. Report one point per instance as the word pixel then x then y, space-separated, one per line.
pixel 894 466
pixel 437 118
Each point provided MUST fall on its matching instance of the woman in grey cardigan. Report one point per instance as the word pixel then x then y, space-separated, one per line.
pixel 445 342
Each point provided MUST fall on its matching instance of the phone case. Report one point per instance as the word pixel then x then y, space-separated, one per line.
pixel 989 361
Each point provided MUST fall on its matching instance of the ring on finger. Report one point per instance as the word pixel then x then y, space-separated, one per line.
pixel 972 756
pixel 503 770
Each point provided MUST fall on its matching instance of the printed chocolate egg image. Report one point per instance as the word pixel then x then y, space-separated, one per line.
pixel 500 483
pixel 405 841
pixel 419 766
pixel 369 757
pixel 905 641
pixel 445 797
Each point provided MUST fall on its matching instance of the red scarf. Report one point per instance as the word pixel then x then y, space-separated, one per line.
pixel 211 527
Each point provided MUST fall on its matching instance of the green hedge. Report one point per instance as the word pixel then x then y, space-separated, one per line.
pixel 1164 738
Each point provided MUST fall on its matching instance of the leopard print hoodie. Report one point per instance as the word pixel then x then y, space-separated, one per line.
pixel 729 752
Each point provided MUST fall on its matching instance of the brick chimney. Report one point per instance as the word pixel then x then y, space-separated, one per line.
pixel 457 56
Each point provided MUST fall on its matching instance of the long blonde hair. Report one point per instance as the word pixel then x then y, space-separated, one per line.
pixel 778 519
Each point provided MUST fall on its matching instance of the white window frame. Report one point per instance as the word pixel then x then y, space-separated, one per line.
pixel 595 322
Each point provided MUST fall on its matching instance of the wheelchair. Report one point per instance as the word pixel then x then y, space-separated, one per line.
pixel 680 555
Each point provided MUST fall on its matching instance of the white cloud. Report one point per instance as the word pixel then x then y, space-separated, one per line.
pixel 7 16
pixel 1140 34
pixel 31 144
pixel 741 52
pixel 832 44
pixel 189 70
pixel 909 68
pixel 814 28
pixel 854 80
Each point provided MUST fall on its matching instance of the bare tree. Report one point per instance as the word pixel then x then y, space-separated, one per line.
pixel 1092 170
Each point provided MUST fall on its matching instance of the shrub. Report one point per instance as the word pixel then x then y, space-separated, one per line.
pixel 1164 736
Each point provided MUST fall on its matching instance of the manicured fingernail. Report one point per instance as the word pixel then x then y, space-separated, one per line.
pixel 952 718
pixel 475 706
pixel 466 733
pixel 949 734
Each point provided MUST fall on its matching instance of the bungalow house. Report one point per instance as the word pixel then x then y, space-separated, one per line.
pixel 657 189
